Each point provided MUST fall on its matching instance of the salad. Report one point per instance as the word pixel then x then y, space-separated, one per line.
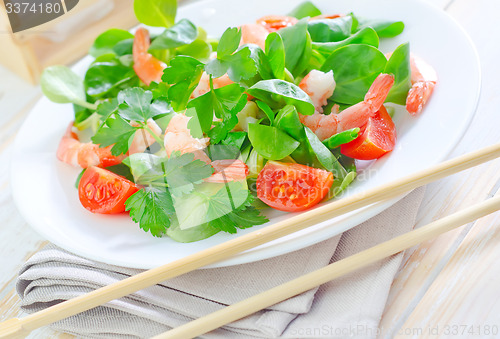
pixel 193 135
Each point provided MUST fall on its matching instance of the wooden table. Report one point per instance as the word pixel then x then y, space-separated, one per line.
pixel 448 286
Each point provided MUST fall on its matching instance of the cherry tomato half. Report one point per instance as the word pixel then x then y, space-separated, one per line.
pixel 274 23
pixel 102 191
pixel 292 187
pixel 375 139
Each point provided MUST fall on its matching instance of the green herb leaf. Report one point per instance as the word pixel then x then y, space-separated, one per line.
pixel 355 68
pixel 158 13
pixel 275 52
pixel 238 66
pixel 384 28
pixel 199 49
pixel 182 171
pixel 341 138
pixel 106 42
pixel 399 66
pixel 278 93
pixel 271 142
pixel 229 42
pixel 115 131
pixel 61 85
pixel 184 74
pixel 179 172
pixel 311 151
pixel 324 156
pixel 267 110
pixel 152 209
pixel 298 47
pixel 135 104
pixel 182 33
pixel 225 103
pixel 366 36
pixel 328 30
pixel 305 9
pixel 103 77
pixel 107 107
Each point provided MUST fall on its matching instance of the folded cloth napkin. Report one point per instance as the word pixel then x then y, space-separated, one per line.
pixel 347 307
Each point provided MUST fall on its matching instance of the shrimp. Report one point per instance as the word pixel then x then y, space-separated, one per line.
pixel 250 34
pixel 179 138
pixel 319 86
pixel 327 16
pixel 324 126
pixel 228 170
pixel 142 139
pixel 204 84
pixel 274 23
pixel 423 80
pixel 254 34
pixel 146 66
pixel 78 154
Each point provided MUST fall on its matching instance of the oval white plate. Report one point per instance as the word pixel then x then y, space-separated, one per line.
pixel 43 187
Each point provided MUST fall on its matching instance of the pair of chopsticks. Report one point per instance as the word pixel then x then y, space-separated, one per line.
pixel 21 327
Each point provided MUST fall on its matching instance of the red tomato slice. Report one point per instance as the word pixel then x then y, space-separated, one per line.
pixel 105 192
pixel 274 23
pixel 292 187
pixel 376 138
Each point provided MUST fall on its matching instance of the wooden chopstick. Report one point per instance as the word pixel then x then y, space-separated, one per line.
pixel 21 327
pixel 333 271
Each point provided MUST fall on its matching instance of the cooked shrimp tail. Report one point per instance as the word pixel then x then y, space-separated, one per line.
pixel 319 86
pixel 357 115
pixel 146 66
pixel 142 139
pixel 78 154
pixel 228 170
pixel 423 79
pixel 324 126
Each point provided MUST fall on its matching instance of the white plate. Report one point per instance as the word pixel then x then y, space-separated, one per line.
pixel 43 187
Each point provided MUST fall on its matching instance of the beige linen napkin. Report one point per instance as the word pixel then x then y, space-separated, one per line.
pixel 348 307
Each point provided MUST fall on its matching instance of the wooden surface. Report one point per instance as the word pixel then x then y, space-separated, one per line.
pixel 446 287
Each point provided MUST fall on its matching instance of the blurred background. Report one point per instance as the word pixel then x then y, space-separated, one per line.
pixel 60 41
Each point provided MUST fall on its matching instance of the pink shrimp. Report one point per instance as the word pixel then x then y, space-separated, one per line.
pixel 78 154
pixel 179 138
pixel 146 66
pixel 254 34
pixel 423 80
pixel 319 86
pixel 204 84
pixel 142 139
pixel 327 16
pixel 324 126
pixel 228 170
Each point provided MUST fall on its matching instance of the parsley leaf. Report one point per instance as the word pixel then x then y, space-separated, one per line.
pixel 184 74
pixel 238 66
pixel 115 131
pixel 107 107
pixel 229 42
pixel 179 172
pixel 182 171
pixel 135 104
pixel 225 103
pixel 223 207
pixel 182 33
pixel 224 215
pixel 152 209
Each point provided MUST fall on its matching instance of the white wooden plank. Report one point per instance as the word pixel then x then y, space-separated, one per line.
pixel 422 265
